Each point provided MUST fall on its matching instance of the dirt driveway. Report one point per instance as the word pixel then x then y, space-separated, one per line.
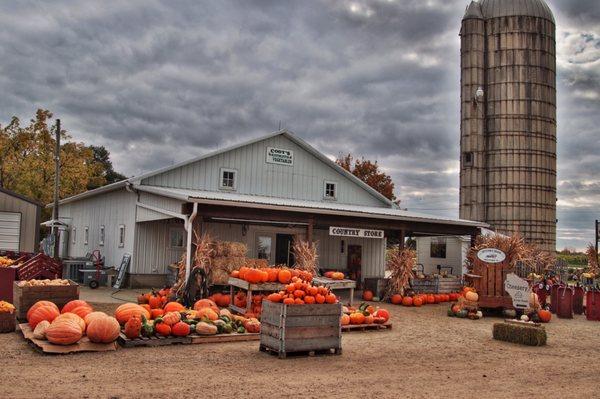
pixel 426 355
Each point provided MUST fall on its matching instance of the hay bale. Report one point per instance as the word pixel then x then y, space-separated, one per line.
pixel 257 263
pixel 520 334
pixel 228 248
pixel 219 276
pixel 228 263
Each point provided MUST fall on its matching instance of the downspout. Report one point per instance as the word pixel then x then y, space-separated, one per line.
pixel 189 227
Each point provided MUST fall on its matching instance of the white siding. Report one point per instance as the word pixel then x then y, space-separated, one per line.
pixel 110 210
pixel 302 181
pixel 157 201
pixel 456 248
pixel 10 230
pixel 152 251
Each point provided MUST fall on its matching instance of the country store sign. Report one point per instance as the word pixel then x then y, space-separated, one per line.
pixel 358 233
pixel 280 156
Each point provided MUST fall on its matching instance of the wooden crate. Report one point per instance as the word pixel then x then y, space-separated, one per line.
pixel 8 322
pixel 436 285
pixel 289 329
pixel 25 297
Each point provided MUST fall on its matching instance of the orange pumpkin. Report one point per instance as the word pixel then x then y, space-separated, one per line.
pixel 162 329
pixel 274 297
pixel 396 299
pixel 205 312
pixel 330 298
pixel 417 301
pixel 206 303
pixel 103 329
pixel 69 306
pixel 223 301
pixel 284 276
pixel 298 301
pixel 288 301
pixel 154 313
pixel 180 329
pixel 125 311
pixel 309 299
pixel 43 312
pixel 173 307
pixel 369 319
pixel 407 301
pixel 133 326
pixel 544 315
pixel 368 295
pixel 174 317
pixel 82 311
pixel 72 317
pixel 94 315
pixel 254 276
pixel 471 296
pixel 430 298
pixel 64 332
pixel 383 313
pixel 345 319
pixel 357 318
pixel 39 304
pixel 320 298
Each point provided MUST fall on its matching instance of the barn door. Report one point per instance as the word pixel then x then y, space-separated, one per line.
pixel 10 231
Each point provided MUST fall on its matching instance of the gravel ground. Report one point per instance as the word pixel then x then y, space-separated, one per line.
pixel 425 355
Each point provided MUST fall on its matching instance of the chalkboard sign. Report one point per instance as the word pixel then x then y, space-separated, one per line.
pixel 121 270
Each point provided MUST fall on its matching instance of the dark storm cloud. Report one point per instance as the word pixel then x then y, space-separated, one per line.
pixel 161 81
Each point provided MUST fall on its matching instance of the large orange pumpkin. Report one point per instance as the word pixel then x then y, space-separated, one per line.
pixel 284 276
pixel 368 295
pixel 254 276
pixel 127 310
pixel 69 306
pixel 43 313
pixel 64 332
pixel 209 313
pixel 173 307
pixel 94 315
pixel 206 303
pixel 72 317
pixel 103 329
pixel 82 311
pixel 39 304
pixel 396 299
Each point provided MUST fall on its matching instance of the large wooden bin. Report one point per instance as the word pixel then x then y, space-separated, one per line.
pixel 25 297
pixel 289 329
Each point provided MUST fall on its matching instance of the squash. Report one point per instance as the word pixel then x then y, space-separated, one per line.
pixel 133 327
pixel 471 296
pixel 64 332
pixel 252 325
pixel 207 313
pixel 127 310
pixel 450 313
pixel 73 317
pixel 369 319
pixel 162 329
pixel 544 315
pixel 39 331
pixel 345 320
pixel 94 315
pixel 206 303
pixel 147 329
pixel 524 318
pixel 173 307
pixel 69 306
pixel 225 312
pixel 462 313
pixel 203 328
pixel 103 329
pixel 154 313
pixel 171 318
pixel 44 312
pixel 180 329
pixel 39 304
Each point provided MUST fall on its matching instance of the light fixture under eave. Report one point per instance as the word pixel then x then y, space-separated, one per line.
pixel 479 94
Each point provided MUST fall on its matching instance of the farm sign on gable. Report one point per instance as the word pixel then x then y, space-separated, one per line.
pixel 280 156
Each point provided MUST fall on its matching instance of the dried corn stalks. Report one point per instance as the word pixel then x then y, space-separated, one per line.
pixel 305 253
pixel 400 262
pixel 592 257
pixel 201 262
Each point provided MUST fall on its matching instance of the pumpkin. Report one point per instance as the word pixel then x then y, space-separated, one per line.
pixel 203 328
pixel 345 319
pixel 274 297
pixel 133 327
pixel 69 306
pixel 103 329
pixel 298 301
pixel 288 301
pixel 368 295
pixel 72 317
pixel 207 303
pixel 430 298
pixel 173 307
pixel 154 313
pixel 396 299
pixel 235 274
pixel 378 320
pixel 254 276
pixel 162 329
pixel 330 298
pixel 142 299
pixel 180 329
pixel 320 298
pixel 64 332
pixel 207 313
pixel 43 312
pixel 471 296
pixel 337 276
pixel 155 301
pixel 252 325
pixel 369 319
pixel 382 313
pixel 171 318
pixel 544 315
pixel 127 310
pixel 418 301
pixel 39 332
pixel 94 315
pixel 82 311
pixel 407 301
pixel 223 301
pixel 39 304
pixel 455 308
pixel 309 299
pixel 357 318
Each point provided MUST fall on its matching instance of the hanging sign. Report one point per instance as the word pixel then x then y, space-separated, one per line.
pixel 491 255
pixel 358 233
pixel 518 289
pixel 280 156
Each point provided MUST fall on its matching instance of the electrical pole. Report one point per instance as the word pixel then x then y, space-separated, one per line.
pixel 55 230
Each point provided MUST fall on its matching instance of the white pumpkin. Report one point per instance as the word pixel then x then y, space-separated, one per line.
pixel 39 332
pixel 524 318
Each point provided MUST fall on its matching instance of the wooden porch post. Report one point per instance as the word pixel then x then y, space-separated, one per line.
pixel 401 237
pixel 309 229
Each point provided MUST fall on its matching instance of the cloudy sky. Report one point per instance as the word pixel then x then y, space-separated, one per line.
pixel 157 82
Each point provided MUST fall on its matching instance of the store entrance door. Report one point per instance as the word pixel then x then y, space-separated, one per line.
pixel 355 263
pixel 284 255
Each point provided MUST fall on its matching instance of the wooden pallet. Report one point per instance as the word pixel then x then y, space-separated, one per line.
pixel 190 339
pixel 284 355
pixel 84 344
pixel 366 327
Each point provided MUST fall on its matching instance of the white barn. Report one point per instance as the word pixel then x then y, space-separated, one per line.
pixel 266 191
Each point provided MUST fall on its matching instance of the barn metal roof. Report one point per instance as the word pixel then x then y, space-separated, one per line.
pixel 507 8
pixel 329 208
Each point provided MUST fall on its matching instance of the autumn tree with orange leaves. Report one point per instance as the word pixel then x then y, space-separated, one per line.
pixel 369 172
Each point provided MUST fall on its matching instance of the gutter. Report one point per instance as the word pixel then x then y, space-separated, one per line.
pixel 189 227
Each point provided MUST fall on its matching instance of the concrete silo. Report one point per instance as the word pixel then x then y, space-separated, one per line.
pixel 508 118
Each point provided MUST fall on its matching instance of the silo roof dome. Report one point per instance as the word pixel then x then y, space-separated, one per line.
pixel 509 8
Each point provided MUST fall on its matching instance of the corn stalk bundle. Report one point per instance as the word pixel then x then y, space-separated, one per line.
pixel 180 283
pixel 305 253
pixel 592 258
pixel 400 262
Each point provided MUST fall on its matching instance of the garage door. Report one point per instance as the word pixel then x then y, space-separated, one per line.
pixel 10 230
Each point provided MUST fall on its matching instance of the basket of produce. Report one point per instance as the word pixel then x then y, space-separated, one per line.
pixel 28 292
pixel 8 320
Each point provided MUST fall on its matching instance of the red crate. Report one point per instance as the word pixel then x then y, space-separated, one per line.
pixel 564 303
pixel 578 295
pixel 7 278
pixel 592 305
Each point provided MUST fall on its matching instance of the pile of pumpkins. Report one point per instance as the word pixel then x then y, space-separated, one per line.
pixel 364 314
pixel 301 292
pixel 423 299
pixel 334 275
pixel 175 320
pixel 282 275
pixel 69 324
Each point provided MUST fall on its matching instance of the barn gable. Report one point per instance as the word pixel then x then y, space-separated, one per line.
pixel 301 174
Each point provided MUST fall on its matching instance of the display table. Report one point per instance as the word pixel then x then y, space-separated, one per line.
pixel 250 288
pixel 345 285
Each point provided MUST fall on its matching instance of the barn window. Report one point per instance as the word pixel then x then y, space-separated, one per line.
pixel 121 235
pixel 101 240
pixel 74 234
pixel 176 238
pixel 438 248
pixel 86 235
pixel 329 190
pixel 228 179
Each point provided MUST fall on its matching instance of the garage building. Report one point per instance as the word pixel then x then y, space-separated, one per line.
pixel 19 222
